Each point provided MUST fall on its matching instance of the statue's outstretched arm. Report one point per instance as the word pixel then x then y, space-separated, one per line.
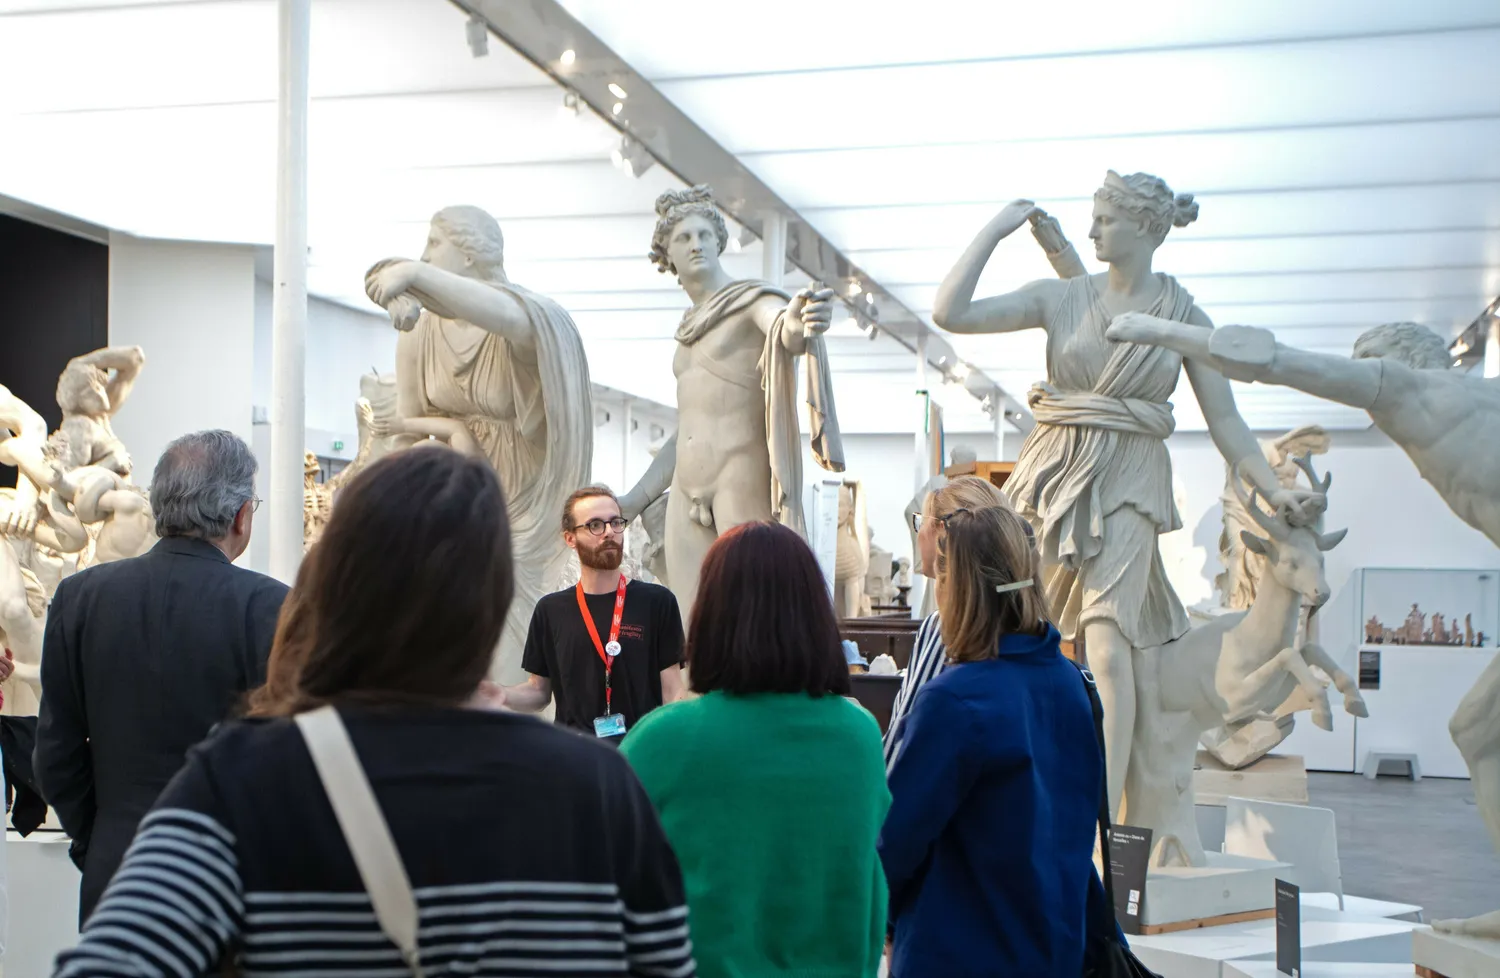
pixel 126 363
pixel 956 309
pixel 1249 353
pixel 452 297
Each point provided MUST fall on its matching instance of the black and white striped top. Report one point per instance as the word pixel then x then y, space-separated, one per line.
pixel 928 659
pixel 532 851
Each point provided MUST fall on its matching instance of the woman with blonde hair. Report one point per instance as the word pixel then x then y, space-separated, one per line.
pixel 928 656
pixel 988 845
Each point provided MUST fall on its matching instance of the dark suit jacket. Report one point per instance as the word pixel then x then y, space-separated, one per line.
pixel 140 659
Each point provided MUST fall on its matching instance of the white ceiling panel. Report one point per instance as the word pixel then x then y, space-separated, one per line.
pixel 944 107
pixel 795 36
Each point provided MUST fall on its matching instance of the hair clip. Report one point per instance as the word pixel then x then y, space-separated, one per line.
pixel 1002 588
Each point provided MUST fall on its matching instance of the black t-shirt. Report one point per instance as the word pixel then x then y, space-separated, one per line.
pixel 558 647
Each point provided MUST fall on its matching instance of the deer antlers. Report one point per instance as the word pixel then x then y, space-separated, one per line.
pixel 1277 528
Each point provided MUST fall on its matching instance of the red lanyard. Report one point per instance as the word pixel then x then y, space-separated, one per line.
pixel 608 652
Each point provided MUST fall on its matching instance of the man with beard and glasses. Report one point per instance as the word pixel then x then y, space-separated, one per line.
pixel 610 649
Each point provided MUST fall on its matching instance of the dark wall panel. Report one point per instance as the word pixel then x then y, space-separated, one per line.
pixel 56 307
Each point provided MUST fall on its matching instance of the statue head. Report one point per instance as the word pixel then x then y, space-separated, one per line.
pixel 1133 214
pixel 310 464
pixel 1416 346
pixel 465 240
pixel 690 233
pixel 962 455
pixel 82 389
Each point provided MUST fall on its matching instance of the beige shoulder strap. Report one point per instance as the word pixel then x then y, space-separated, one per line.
pixel 364 828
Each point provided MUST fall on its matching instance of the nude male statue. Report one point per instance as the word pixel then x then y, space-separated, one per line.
pixel 736 455
pixel 89 391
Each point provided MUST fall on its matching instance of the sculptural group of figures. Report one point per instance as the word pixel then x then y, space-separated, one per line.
pixel 493 369
pixel 73 504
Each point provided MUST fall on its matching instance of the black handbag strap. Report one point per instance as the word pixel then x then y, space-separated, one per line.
pixel 1105 827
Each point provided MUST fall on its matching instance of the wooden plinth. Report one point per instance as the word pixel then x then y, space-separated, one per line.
pixel 1228 918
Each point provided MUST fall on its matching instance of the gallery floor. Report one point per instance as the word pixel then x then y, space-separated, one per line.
pixel 1419 843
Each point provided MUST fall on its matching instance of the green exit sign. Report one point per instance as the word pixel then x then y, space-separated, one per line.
pixel 338 446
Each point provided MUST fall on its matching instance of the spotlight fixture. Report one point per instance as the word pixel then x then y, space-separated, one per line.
pixel 855 288
pixel 632 157
pixel 568 57
pixel 571 103
pixel 617 91
pixel 618 108
pixel 869 298
pixel 478 34
pixel 961 370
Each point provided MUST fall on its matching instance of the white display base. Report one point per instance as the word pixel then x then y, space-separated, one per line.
pixel 43 886
pixel 1275 777
pixel 1316 969
pixel 1453 956
pixel 1227 885
pixel 1327 936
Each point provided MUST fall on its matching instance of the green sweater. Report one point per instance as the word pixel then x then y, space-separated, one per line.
pixel 773 803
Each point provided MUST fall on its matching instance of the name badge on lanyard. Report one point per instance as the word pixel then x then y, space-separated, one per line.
pixel 611 724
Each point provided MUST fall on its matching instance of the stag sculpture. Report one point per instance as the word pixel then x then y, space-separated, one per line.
pixel 1233 668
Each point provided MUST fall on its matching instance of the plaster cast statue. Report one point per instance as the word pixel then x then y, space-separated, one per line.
pixel 880 588
pixel 375 440
pixel 1094 477
pixel 736 456
pixel 1244 567
pixel 1247 742
pixel 117 513
pixel 852 556
pixel 1230 669
pixel 1399 374
pixel 89 391
pixel 23 600
pixel 506 366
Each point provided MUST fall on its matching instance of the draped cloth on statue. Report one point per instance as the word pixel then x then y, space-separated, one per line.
pixel 776 375
pixel 531 413
pixel 1094 477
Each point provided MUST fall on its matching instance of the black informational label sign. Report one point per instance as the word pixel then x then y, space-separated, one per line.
pixel 1288 929
pixel 1129 855
pixel 1369 668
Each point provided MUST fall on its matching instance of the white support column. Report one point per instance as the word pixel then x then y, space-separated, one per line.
pixel 998 400
pixel 627 419
pixel 289 316
pixel 773 247
pixel 919 448
pixel 1492 349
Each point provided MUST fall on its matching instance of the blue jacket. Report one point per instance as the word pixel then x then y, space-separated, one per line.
pixel 988 846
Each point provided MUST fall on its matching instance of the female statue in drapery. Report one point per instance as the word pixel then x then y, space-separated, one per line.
pixel 498 370
pixel 1094 477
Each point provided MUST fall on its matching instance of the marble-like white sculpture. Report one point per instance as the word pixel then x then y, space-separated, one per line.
pixel 1245 743
pixel 880 587
pixel 852 556
pixel 491 366
pixel 1094 477
pixel 736 456
pixel 91 389
pixel 23 601
pixel 1235 667
pixel 1443 420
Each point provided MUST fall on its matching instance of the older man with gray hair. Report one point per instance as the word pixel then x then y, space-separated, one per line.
pixel 142 657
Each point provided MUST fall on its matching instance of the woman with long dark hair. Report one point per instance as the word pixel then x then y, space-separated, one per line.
pixel 988 846
pixel 525 849
pixel 771 785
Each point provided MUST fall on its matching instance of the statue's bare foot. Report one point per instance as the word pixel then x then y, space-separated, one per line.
pixel 1485 925
pixel 1137 327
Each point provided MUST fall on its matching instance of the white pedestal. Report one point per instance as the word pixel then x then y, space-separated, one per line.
pixel 43 886
pixel 1453 956
pixel 1317 969
pixel 1328 936
pixel 1420 687
pixel 1227 885
pixel 1275 777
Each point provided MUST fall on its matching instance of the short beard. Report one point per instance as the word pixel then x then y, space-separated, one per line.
pixel 604 556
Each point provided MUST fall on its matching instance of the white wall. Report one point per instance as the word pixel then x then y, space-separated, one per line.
pixel 651 423
pixel 191 307
pixel 343 344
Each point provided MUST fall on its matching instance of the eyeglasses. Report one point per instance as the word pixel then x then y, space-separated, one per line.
pixel 917 519
pixel 597 527
pixel 254 503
